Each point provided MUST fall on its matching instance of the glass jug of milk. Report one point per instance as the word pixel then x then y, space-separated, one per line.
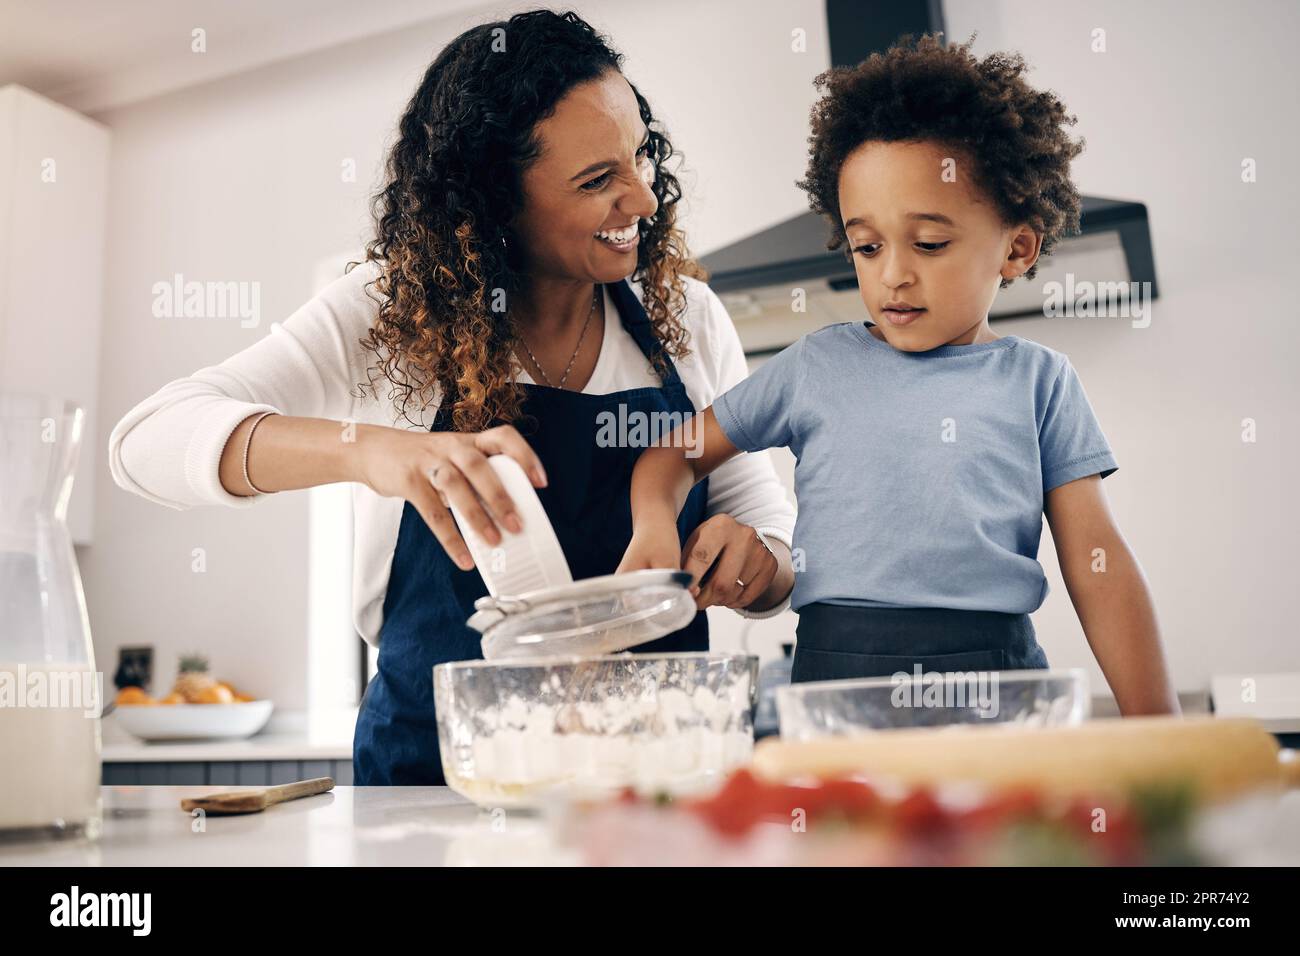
pixel 50 692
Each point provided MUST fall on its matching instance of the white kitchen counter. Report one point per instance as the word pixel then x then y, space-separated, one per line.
pixel 433 826
pixel 350 826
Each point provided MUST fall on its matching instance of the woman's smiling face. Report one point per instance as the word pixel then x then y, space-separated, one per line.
pixel 921 240
pixel 593 176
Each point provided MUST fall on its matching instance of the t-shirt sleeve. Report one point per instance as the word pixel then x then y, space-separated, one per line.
pixel 1070 440
pixel 760 411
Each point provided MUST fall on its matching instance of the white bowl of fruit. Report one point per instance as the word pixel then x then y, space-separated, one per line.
pixel 199 707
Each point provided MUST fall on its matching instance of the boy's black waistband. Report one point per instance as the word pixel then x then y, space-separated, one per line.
pixel 912 631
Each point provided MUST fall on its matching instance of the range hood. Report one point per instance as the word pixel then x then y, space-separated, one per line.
pixel 755 276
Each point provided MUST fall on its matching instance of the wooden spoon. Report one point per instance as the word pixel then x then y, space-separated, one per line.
pixel 254 801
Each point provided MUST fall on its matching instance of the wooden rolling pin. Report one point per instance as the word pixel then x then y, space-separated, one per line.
pixel 253 801
pixel 1222 757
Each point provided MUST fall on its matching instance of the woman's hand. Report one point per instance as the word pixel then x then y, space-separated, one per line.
pixel 432 470
pixel 743 567
pixel 731 549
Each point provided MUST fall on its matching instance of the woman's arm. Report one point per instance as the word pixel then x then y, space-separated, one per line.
pixel 289 452
pixel 1111 597
pixel 171 447
pixel 184 445
pixel 430 471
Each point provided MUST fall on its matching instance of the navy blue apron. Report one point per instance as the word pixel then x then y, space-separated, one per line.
pixel 429 598
pixel 838 642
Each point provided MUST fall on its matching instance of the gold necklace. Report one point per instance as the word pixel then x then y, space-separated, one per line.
pixel 577 349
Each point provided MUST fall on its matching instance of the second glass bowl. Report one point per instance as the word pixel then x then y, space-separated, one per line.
pixel 1045 698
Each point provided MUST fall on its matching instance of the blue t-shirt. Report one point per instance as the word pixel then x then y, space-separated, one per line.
pixel 920 476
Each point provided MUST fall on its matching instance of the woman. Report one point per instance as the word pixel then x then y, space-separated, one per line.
pixel 531 282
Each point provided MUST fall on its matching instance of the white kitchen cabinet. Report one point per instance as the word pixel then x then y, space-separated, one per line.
pixel 53 207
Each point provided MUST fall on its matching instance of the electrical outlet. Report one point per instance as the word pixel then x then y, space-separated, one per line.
pixel 134 667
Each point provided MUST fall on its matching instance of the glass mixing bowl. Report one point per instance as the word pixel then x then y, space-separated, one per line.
pixel 519 732
pixel 1046 698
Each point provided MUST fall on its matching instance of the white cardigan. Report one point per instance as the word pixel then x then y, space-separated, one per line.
pixel 168 448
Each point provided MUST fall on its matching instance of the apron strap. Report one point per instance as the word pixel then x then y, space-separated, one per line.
pixel 634 318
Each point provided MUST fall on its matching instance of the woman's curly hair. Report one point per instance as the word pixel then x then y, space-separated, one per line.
pixel 1013 135
pixel 455 184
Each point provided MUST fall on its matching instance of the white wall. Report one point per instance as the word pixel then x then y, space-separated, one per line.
pixel 240 180
pixel 1184 93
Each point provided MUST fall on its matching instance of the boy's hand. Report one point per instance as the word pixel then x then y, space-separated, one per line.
pixel 655 547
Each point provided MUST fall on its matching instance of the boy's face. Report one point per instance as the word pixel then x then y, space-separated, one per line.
pixel 950 270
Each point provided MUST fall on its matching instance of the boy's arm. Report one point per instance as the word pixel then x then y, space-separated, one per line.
pixel 664 475
pixel 1111 597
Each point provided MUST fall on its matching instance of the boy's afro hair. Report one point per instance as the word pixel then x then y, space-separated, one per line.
pixel 984 110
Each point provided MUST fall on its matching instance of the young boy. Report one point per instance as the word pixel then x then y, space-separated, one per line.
pixel 928 447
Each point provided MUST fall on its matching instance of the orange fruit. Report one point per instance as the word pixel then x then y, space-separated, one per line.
pixel 217 694
pixel 134 697
pixel 236 694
